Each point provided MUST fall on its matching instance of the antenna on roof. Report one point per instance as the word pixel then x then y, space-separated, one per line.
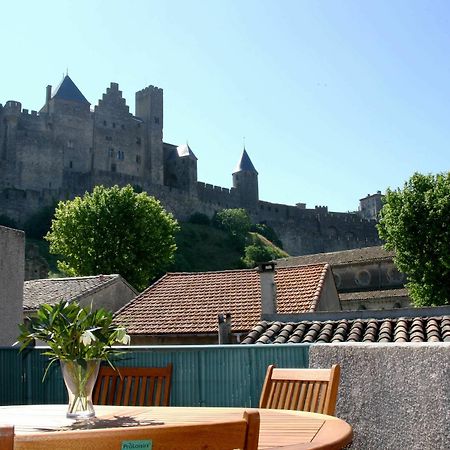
pixel 67 71
pixel 243 142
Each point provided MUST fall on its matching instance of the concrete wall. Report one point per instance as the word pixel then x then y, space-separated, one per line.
pixel 329 300
pixel 395 396
pixel 111 297
pixel 12 260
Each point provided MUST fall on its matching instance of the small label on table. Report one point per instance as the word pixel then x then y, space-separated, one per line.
pixel 137 445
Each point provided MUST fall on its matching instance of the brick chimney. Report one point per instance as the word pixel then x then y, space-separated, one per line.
pixel 224 328
pixel 268 289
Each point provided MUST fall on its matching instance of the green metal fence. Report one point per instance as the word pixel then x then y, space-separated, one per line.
pixel 227 375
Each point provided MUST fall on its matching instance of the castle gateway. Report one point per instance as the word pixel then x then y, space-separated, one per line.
pixel 68 147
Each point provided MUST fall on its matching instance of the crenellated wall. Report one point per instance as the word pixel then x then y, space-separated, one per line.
pixel 67 148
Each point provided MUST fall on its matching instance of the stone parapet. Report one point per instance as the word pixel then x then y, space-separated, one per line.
pixel 395 396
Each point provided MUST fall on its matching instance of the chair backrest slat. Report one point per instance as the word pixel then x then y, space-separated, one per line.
pixel 225 435
pixel 6 437
pixel 133 386
pixel 312 390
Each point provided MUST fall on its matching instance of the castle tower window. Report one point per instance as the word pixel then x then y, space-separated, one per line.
pixel 156 120
pixel 120 155
pixel 111 152
pixel 69 143
pixel 138 159
pixel 70 164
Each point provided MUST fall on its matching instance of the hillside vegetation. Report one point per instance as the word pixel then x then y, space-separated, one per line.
pixel 204 247
pixel 228 241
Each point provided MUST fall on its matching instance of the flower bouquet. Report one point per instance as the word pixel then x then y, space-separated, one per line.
pixel 80 338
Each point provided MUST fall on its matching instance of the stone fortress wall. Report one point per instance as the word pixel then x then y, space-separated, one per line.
pixel 68 147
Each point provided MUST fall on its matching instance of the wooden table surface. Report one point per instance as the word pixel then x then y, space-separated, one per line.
pixel 279 428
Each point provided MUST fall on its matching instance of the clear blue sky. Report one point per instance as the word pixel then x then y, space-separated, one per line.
pixel 335 99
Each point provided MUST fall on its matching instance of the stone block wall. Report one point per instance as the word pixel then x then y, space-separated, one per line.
pixel 12 260
pixel 395 396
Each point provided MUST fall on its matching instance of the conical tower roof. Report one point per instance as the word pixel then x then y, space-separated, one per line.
pixel 67 90
pixel 184 150
pixel 245 164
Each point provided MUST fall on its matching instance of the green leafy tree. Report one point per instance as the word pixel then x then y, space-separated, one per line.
pixel 200 219
pixel 7 221
pixel 256 253
pixel 38 224
pixel 113 230
pixel 236 222
pixel 415 223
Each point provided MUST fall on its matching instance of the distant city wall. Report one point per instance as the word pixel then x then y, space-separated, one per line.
pixel 302 231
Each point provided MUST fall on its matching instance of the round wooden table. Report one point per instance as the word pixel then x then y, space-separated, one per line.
pixel 278 429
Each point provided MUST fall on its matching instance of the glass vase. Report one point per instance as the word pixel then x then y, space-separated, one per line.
pixel 79 377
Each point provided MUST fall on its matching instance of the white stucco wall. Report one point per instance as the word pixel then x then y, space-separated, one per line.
pixel 12 263
pixel 395 396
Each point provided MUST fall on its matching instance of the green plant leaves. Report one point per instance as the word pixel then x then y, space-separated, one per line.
pixel 72 332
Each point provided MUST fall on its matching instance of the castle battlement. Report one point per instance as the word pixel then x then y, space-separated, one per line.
pixel 29 114
pixel 12 107
pixel 66 150
pixel 150 90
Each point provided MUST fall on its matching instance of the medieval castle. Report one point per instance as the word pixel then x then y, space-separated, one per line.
pixel 68 147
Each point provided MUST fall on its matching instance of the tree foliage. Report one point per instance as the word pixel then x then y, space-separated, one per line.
pixel 200 219
pixel 415 223
pixel 113 230
pixel 257 253
pixel 39 223
pixel 236 222
pixel 7 221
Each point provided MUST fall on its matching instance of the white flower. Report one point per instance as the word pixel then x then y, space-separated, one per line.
pixel 123 337
pixel 87 338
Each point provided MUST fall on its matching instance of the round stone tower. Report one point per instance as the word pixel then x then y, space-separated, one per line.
pixel 245 181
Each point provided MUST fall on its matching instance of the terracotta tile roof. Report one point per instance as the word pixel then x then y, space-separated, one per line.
pixel 402 329
pixel 373 295
pixel 181 303
pixel 53 290
pixel 365 254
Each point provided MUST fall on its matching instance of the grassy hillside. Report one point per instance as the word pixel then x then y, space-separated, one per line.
pixel 278 252
pixel 203 248
pixel 200 248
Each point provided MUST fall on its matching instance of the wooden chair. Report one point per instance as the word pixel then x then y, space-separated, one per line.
pixel 6 437
pixel 225 435
pixel 312 390
pixel 133 386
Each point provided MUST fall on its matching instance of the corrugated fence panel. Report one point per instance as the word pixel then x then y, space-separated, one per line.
pixel 11 384
pixel 228 375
